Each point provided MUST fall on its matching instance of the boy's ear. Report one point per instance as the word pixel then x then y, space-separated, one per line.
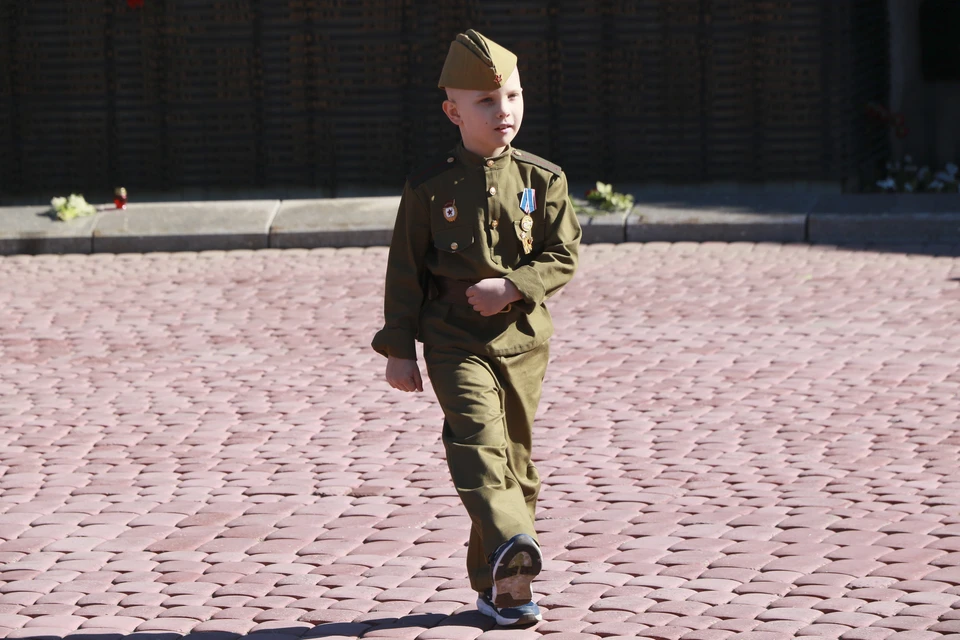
pixel 450 108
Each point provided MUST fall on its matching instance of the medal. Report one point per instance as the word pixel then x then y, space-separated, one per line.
pixel 528 203
pixel 450 211
pixel 526 239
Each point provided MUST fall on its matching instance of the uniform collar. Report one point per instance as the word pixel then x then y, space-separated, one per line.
pixel 472 159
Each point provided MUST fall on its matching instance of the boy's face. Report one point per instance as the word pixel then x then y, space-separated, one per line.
pixel 488 120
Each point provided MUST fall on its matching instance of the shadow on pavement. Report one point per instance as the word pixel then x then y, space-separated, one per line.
pixel 942 250
pixel 340 630
pixel 467 619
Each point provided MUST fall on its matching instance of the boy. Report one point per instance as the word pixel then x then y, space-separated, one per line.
pixel 482 237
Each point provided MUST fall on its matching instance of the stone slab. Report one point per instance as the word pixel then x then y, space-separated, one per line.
pixel 600 226
pixel 608 227
pixel 34 230
pixel 886 219
pixel 185 226
pixel 721 218
pixel 336 222
pixel 368 221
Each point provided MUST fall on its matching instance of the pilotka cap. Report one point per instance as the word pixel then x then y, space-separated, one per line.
pixel 476 63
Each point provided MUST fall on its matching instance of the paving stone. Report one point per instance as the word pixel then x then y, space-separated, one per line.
pixel 707 634
pixel 685 608
pixel 905 623
pixel 172 625
pixel 787 627
pixel 232 627
pixel 508 634
pixel 663 633
pixel 871 633
pixel 614 629
pixel 450 632
pixel 125 624
pixel 789 613
pixel 738 625
pixel 606 615
pixel 38 632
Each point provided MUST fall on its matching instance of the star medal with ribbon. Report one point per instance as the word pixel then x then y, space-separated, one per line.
pixel 528 203
pixel 450 211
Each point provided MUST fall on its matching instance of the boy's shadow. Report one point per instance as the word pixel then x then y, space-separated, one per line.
pixel 469 619
pixel 364 624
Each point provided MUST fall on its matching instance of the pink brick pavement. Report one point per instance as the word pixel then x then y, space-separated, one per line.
pixel 737 441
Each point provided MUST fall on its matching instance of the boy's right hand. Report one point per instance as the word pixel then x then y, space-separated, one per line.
pixel 404 374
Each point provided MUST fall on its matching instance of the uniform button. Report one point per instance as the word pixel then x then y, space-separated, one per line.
pixel 489 163
pixel 495 224
pixel 492 191
pixel 450 159
pixel 453 246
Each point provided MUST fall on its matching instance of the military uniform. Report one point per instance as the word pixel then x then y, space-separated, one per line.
pixel 464 218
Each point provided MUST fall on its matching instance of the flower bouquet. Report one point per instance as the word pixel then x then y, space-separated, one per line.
pixel 72 207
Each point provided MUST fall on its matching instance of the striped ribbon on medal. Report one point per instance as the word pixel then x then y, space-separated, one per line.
pixel 528 201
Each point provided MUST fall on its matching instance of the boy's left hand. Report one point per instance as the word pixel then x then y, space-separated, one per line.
pixel 491 295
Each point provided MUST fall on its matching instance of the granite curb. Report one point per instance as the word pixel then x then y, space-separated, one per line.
pixel 362 222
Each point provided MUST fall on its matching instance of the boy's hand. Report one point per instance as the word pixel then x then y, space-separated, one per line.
pixel 491 295
pixel 404 374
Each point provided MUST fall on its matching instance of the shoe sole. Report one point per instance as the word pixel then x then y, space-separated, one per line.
pixel 513 571
pixel 487 610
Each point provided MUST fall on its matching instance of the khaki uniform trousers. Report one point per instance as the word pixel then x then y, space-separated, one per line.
pixel 489 403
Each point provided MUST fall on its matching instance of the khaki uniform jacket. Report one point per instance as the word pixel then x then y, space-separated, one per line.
pixel 481 241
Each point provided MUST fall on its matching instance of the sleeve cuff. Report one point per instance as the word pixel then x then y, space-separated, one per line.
pixel 528 283
pixel 396 343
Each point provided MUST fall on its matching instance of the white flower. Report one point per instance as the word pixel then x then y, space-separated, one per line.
pixel 951 169
pixel 889 184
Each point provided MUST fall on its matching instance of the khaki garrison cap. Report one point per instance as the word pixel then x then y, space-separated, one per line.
pixel 476 63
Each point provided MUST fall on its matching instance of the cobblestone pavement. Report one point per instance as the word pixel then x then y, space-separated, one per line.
pixel 737 441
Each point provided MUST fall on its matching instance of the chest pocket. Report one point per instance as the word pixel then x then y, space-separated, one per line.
pixel 453 240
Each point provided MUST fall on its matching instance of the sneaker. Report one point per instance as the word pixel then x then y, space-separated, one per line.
pixel 513 567
pixel 526 614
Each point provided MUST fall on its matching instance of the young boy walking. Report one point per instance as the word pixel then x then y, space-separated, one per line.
pixel 483 236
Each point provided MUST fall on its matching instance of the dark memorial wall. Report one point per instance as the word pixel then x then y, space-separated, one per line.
pixel 324 96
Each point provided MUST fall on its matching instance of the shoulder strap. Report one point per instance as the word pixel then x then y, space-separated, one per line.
pixel 526 156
